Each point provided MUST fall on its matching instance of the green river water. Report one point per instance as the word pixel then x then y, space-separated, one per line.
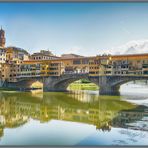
pixel 74 118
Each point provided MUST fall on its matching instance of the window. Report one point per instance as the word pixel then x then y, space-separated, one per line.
pixel 76 62
pixel 145 66
pixel 145 72
pixel 85 61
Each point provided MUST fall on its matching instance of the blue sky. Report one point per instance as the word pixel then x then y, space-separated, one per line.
pixel 82 28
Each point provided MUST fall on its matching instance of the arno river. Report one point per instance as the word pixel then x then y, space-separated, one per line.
pixel 75 118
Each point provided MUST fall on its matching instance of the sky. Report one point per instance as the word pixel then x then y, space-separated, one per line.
pixel 80 28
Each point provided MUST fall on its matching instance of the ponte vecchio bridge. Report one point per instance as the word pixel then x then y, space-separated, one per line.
pixel 108 72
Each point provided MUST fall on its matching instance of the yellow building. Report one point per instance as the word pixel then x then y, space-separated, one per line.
pixel 2 58
pixel 94 66
pixel 10 71
pixel 75 65
pixel 136 64
pixel 99 65
pixel 41 68
pixel 43 55
pixel 15 53
pixel 15 67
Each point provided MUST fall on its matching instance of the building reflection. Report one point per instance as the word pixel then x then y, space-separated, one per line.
pixel 84 95
pixel 17 108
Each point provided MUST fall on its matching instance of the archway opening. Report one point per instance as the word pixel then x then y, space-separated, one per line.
pixel 36 85
pixel 134 87
pixel 82 84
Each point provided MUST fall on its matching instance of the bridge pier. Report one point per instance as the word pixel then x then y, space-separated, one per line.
pixel 108 90
pixel 52 84
pixel 105 87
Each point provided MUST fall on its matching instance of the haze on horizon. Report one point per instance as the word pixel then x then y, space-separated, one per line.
pixel 80 28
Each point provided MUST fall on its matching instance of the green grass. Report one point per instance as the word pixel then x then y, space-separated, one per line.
pixel 83 86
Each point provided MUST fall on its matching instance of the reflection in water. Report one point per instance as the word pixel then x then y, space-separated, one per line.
pixel 38 93
pixel 84 95
pixel 86 107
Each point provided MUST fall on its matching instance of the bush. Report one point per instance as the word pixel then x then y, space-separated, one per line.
pixel 85 81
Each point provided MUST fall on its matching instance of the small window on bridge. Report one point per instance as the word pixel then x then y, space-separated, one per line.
pixel 145 66
pixel 145 72
pixel 76 62
pixel 85 61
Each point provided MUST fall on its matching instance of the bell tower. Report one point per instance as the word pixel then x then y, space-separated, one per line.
pixel 2 37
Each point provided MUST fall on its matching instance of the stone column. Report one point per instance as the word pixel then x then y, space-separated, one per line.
pixel 106 88
pixel 53 84
pixel 48 84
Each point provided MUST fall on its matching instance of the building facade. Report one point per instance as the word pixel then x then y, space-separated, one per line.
pixel 43 55
pixel 15 53
pixel 2 55
pixel 93 66
pixel 71 56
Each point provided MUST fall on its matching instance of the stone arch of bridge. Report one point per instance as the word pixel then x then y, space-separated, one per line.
pixel 23 83
pixel 124 80
pixel 61 84
pixel 65 83
pixel 51 83
pixel 108 85
pixel 111 85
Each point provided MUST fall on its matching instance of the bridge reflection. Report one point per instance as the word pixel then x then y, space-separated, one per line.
pixel 103 112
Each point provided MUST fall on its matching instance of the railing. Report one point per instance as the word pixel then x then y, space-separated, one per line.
pixel 70 72
pixel 79 74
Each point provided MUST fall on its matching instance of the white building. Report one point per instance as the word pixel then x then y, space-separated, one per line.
pixel 43 55
pixel 2 55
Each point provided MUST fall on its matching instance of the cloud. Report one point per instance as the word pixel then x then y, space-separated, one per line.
pixel 132 47
pixel 76 49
